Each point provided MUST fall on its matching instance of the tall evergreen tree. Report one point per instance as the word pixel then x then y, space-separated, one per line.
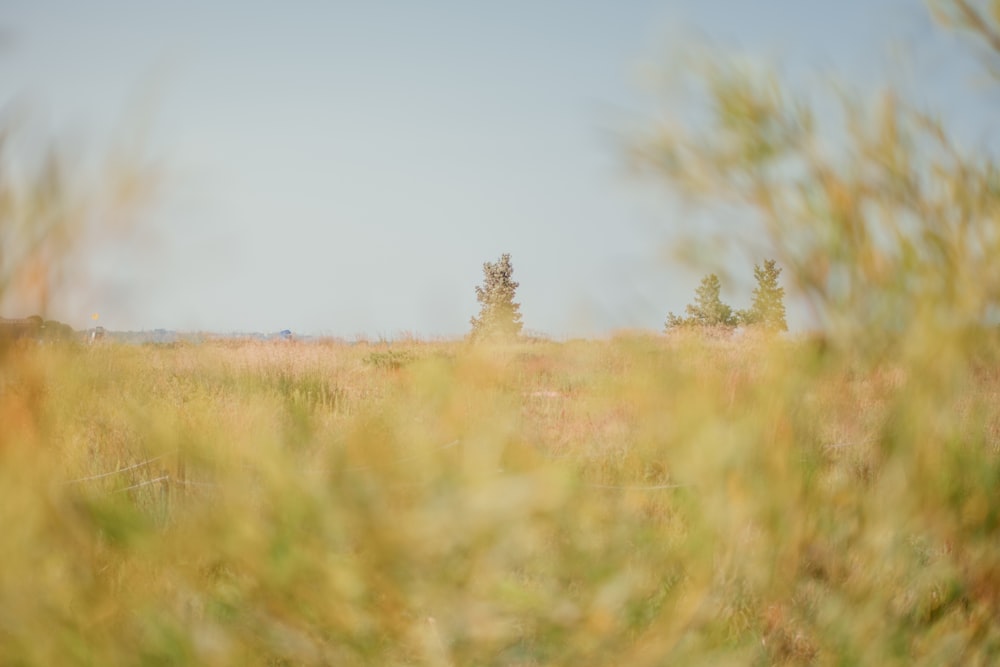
pixel 499 314
pixel 768 307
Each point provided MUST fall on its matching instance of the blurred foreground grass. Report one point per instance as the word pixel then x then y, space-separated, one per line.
pixel 638 501
pixel 645 500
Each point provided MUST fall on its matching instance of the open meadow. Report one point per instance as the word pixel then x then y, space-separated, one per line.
pixel 643 500
pixel 728 486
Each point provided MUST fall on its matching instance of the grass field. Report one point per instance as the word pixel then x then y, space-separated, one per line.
pixel 635 501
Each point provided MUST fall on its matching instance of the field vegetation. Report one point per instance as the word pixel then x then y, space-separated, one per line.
pixel 640 500
pixel 697 497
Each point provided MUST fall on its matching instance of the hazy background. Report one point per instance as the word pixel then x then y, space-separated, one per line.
pixel 345 168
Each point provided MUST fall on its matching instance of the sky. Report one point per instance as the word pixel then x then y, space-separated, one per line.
pixel 345 168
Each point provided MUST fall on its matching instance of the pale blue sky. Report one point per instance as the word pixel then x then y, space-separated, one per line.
pixel 345 168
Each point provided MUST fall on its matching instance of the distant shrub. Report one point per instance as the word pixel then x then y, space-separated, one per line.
pixel 53 330
pixel 389 359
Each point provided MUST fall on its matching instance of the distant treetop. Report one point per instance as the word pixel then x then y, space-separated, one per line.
pixel 499 315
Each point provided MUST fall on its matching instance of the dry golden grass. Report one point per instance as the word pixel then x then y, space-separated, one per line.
pixel 641 501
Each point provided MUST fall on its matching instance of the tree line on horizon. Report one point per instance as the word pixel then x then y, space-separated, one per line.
pixel 766 311
pixel 500 316
pixel 34 327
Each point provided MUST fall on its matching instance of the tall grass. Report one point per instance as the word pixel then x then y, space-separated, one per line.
pixel 645 500
pixel 637 501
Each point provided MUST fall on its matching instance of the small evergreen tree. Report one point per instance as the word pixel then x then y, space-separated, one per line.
pixel 768 307
pixel 708 310
pixel 499 315
pixel 674 321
